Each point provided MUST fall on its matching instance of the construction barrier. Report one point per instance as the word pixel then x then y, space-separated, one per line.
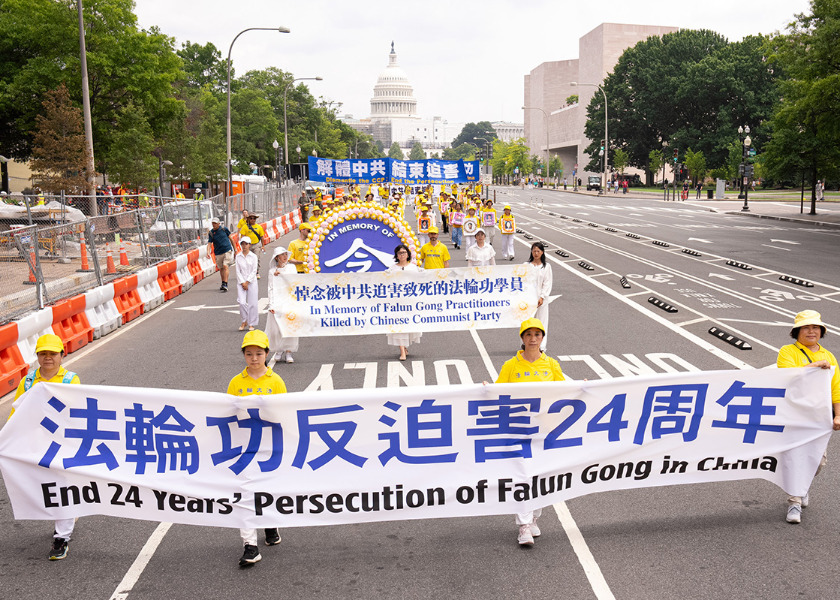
pixel 193 265
pixel 71 324
pixel 30 328
pixel 149 289
pixel 183 273
pixel 12 366
pixel 168 280
pixel 101 312
pixel 127 298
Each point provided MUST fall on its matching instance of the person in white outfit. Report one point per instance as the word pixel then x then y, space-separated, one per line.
pixel 402 262
pixel 247 290
pixel 482 253
pixel 283 346
pixel 545 282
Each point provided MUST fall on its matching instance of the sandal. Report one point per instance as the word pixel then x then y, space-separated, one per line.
pixel 242 327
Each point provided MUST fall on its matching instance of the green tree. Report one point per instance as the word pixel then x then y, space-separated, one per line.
pixel 59 153
pixel 253 129
pixel 203 66
pixel 656 160
pixel 695 162
pixel 417 152
pixel 396 152
pixel 130 160
pixel 573 99
pixel 473 131
pixel 620 160
pixel 463 152
pixel 556 167
pixel 508 156
pixel 806 134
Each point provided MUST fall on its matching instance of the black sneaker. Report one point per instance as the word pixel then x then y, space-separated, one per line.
pixel 250 556
pixel 272 537
pixel 59 549
pixel 223 288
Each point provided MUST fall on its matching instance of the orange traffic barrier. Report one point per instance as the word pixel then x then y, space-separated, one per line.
pixel 31 279
pixel 12 366
pixel 123 255
pixel 83 248
pixel 194 266
pixel 168 279
pixel 111 268
pixel 70 323
pixel 127 298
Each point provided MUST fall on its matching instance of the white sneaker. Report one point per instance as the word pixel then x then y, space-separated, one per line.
pixel 278 357
pixel 794 513
pixel 535 529
pixel 526 538
pixel 289 358
pixel 806 500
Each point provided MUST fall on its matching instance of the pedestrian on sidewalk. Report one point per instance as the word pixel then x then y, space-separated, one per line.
pixel 49 349
pixel 247 289
pixel 257 379
pixel 699 188
pixel 222 249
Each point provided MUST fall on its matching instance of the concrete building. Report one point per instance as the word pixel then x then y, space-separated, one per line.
pixel 549 85
pixel 507 132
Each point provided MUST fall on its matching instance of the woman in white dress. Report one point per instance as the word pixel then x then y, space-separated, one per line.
pixel 283 346
pixel 482 254
pixel 545 281
pixel 402 262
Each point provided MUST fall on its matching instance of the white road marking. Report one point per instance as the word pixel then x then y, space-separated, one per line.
pixel 776 247
pixel 133 574
pixel 692 321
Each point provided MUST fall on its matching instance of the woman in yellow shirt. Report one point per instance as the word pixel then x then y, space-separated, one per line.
pixel 256 379
pixel 808 330
pixel 530 364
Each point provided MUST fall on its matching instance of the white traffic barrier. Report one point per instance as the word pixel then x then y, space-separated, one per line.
pixel 208 264
pixel 101 311
pixel 182 272
pixel 149 289
pixel 30 328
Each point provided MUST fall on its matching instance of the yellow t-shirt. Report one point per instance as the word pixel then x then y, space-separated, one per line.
pixel 246 231
pixel 434 257
pixel 517 370
pixel 298 251
pixel 243 384
pixel 507 225
pixel 57 378
pixel 797 355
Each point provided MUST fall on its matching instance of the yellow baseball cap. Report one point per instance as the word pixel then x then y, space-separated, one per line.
pixel 529 324
pixel 507 207
pixel 305 226
pixel 49 343
pixel 255 338
pixel 433 230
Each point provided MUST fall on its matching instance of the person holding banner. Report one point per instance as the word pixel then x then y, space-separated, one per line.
pixel 530 365
pixel 257 379
pixel 470 226
pixel 482 254
pixel 545 281
pixel 283 346
pixel 507 226
pixel 297 248
pixel 434 255
pixel 402 262
pixel 246 289
pixel 50 352
pixel 806 351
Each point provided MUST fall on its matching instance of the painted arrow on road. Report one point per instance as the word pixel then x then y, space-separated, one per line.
pixel 785 242
pixel 701 240
pixel 726 277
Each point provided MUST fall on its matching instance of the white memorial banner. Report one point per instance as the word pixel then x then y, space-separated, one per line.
pixel 350 456
pixel 323 304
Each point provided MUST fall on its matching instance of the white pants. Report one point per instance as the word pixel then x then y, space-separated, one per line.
pixel 542 315
pixel 526 518
pixel 249 537
pixel 64 528
pixel 491 234
pixel 507 245
pixel 469 242
pixel 423 238
pixel 248 303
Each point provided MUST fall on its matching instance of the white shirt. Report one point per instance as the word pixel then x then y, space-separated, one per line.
pixel 246 267
pixel 410 267
pixel 545 280
pixel 481 256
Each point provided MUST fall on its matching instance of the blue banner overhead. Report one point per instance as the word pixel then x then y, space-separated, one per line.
pixel 380 170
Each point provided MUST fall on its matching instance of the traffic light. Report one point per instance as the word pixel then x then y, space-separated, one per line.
pixel 676 155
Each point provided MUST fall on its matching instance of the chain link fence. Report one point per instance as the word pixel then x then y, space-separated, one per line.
pixel 50 249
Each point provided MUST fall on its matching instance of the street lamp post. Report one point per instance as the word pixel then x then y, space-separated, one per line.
pixel 746 142
pixel 285 121
pixel 545 117
pixel 276 145
pixel 229 166
pixel 606 131
pixel 162 164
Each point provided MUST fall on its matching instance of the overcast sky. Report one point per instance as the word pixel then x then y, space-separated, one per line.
pixel 466 59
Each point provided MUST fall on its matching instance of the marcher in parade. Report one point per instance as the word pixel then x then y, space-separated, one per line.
pixel 424 221
pixel 222 249
pixel 402 262
pixel 471 225
pixel 507 225
pixel 256 379
pixel 247 291
pixel 545 282
pixel 808 329
pixel 530 364
pixel 489 219
pixel 297 247
pixel 456 221
pixel 50 352
pixel 435 254
pixel 482 253
pixel 283 346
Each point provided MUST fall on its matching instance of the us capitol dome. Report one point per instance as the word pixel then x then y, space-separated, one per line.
pixel 393 95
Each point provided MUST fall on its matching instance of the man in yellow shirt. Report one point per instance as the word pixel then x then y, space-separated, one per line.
pixel 808 330
pixel 434 255
pixel 50 352
pixel 253 231
pixel 298 247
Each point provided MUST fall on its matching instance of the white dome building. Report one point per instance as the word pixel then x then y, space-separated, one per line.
pixel 393 95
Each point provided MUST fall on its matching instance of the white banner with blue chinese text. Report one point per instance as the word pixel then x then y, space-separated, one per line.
pixel 347 456
pixel 323 304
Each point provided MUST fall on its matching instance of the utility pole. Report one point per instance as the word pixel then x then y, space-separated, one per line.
pixel 91 188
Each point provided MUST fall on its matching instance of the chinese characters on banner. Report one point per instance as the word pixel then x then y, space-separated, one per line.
pixel 381 170
pixel 347 456
pixel 321 304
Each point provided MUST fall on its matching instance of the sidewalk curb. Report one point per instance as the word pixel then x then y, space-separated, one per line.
pixel 781 218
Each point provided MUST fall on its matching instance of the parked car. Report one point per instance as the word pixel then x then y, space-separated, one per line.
pixel 593 183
